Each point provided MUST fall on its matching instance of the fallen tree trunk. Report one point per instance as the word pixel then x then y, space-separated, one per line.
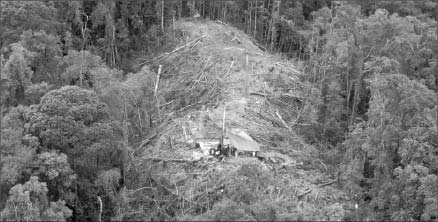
pixel 156 159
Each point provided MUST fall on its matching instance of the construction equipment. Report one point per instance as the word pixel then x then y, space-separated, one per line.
pixel 222 149
pixel 230 143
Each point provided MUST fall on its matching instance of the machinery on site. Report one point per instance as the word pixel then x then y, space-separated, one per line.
pixel 233 143
pixel 223 143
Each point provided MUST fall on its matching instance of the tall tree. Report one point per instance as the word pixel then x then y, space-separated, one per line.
pixel 17 74
pixel 29 202
pixel 19 16
pixel 47 54
pixel 74 121
pixel 103 15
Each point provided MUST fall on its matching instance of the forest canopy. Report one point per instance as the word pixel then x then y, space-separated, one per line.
pixel 76 100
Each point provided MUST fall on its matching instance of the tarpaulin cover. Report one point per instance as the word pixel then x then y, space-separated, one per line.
pixel 242 141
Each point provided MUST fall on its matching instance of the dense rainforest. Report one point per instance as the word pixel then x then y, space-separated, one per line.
pixel 75 101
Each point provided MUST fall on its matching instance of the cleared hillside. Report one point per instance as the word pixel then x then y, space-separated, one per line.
pixel 215 66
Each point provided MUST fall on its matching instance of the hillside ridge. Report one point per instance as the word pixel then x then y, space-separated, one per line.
pixel 219 66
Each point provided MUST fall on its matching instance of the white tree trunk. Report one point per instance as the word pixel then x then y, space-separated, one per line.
pixel 162 15
pixel 255 21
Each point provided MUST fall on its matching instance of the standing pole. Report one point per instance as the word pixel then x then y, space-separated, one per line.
pixel 1 91
pixel 223 128
pixel 255 20
pixel 99 218
pixel 1 102
pixel 203 10
pixel 156 90
pixel 162 15
pixel 158 80
pixel 249 29
pixel 436 48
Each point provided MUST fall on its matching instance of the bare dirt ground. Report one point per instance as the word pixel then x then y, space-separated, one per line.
pixel 217 65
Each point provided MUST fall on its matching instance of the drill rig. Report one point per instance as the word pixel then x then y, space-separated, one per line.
pixel 234 143
pixel 222 149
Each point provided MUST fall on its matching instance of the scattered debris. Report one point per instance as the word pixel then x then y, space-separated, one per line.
pixel 220 68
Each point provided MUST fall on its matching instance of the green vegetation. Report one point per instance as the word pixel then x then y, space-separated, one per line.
pixel 75 104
